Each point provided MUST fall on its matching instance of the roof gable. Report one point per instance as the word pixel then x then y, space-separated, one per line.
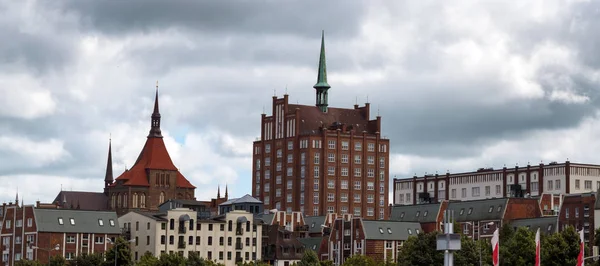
pixel 245 199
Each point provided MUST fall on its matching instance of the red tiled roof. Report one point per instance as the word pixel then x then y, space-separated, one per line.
pixel 312 118
pixel 154 156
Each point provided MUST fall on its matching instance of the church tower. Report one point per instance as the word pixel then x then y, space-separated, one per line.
pixel 322 86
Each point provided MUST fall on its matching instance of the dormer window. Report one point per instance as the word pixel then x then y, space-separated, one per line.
pixel 100 222
pixel 111 222
pixel 462 211
pixel 499 208
pixel 72 221
pixel 401 215
pixel 380 230
pixel 389 230
pixel 409 232
pixel 425 214
pixel 418 212
pixel 470 211
pixel 60 220
pixel 491 209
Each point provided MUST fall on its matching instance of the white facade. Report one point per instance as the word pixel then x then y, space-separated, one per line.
pixel 488 183
pixel 221 240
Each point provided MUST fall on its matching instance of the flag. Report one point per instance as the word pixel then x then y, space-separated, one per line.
pixel 537 248
pixel 581 247
pixel 495 248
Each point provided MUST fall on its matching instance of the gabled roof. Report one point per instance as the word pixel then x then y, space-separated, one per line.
pixel 547 225
pixel 245 199
pixel 90 201
pixel 478 210
pixel 157 216
pixel 154 156
pixel 422 213
pixel 267 218
pixel 97 222
pixel 390 230
pixel 312 243
pixel 314 223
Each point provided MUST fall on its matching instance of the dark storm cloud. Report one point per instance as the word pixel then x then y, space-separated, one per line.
pixel 221 18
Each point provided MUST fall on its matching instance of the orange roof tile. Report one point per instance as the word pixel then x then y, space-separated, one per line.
pixel 154 156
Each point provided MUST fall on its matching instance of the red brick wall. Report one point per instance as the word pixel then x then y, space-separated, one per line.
pixel 375 249
pixel 519 208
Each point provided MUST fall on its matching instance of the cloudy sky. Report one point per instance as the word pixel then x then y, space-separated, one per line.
pixel 459 84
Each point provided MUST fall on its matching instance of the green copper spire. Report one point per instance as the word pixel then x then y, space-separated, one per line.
pixel 322 86
pixel 322 77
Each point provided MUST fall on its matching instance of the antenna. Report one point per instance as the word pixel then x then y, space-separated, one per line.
pixel 367 98
pixel 286 89
pixel 157 84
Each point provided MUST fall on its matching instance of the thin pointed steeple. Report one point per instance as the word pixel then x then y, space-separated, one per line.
pixel 219 192
pixel 108 178
pixel 226 196
pixel 155 126
pixel 322 86
pixel 17 197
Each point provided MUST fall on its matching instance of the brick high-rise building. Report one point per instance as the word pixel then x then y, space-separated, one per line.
pixel 319 160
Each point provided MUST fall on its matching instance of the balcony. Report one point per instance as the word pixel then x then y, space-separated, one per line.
pixel 182 229
pixel 181 245
pixel 239 246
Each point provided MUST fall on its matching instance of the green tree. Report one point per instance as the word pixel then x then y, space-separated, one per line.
pixel 172 259
pixel 26 262
pixel 123 253
pixel 571 237
pixel 359 260
pixel 519 250
pixel 94 259
pixel 148 259
pixel 485 247
pixel 553 250
pixel 310 258
pixel 251 263
pixel 468 255
pixel 421 250
pixel 326 263
pixel 57 260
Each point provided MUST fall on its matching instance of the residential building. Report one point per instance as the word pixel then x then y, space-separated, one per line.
pixel 486 183
pixel 34 233
pixel 319 159
pixel 547 225
pixel 151 180
pixel 578 210
pixel 245 203
pixel 380 240
pixel 205 209
pixel 228 239
pixel 280 246
pixel 477 218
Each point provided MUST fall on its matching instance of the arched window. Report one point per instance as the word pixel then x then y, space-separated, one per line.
pixel 118 201
pixel 172 224
pixel 230 227
pixel 142 200
pixel 134 200
pixel 125 200
pixel 113 201
pixel 157 179
pixel 247 226
pixel 162 197
pixel 191 224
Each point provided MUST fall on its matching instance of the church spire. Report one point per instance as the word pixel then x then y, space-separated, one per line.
pixel 108 178
pixel 155 126
pixel 322 86
pixel 219 192
pixel 226 196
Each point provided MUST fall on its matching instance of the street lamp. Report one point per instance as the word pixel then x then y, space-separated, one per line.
pixel 478 238
pixel 56 247
pixel 117 245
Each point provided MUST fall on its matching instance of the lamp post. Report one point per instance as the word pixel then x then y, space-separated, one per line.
pixel 473 228
pixel 56 247
pixel 117 245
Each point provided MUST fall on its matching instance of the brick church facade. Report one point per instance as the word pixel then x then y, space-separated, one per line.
pixel 152 180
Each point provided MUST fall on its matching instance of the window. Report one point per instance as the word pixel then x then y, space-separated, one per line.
pixel 19 223
pixel 370 146
pixel 475 191
pixel 370 198
pixel 289 184
pixel 279 153
pixel 557 184
pixel 357 198
pixel 550 187
pixel 498 189
pixel 316 185
pixel 331 144
pixel 370 186
pixel 357 172
pixel 487 190
pixel 370 172
pixel 290 158
pixel 344 158
pixel 70 239
pixel 316 158
pixel 100 240
pixel 72 221
pixel 290 145
pixel 491 209
pixel 453 193
pixel 268 161
pixel 331 170
pixel 331 184
pixel 344 184
pixel 588 184
pixel 534 186
pixel 357 146
pixel 344 171
pixel 344 197
pixel 576 183
pixel 345 145
pixel 370 212
pixel 464 192
pixel 357 159
pixel 29 222
pixel 331 157
pixel 316 171
pixel 100 222
pixel 357 185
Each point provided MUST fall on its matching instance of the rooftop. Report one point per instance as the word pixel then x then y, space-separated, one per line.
pixel 76 221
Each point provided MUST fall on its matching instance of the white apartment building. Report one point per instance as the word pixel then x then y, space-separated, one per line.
pixel 226 239
pixel 486 183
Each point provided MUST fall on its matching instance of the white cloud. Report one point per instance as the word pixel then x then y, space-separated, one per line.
pixel 34 153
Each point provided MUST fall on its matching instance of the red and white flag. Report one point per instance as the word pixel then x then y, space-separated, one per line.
pixel 537 248
pixel 496 248
pixel 581 247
